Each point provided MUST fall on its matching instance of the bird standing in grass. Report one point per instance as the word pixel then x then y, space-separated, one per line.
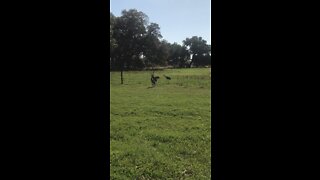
pixel 167 77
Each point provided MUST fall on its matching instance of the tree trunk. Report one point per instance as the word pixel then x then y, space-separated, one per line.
pixel 192 60
pixel 121 75
pixel 122 65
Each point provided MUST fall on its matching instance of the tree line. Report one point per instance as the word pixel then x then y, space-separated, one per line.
pixel 136 43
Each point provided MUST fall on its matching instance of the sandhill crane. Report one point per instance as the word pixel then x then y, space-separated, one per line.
pixel 167 77
pixel 154 79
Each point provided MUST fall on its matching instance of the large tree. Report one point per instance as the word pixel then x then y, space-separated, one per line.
pixel 178 55
pixel 113 42
pixel 129 30
pixel 198 48
pixel 153 49
pixel 131 38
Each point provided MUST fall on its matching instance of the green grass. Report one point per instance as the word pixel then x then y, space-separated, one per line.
pixel 162 132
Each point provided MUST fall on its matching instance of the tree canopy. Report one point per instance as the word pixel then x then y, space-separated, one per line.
pixel 136 43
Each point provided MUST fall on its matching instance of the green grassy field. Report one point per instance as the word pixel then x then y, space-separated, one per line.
pixel 162 132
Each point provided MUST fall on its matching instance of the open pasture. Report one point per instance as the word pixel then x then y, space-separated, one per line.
pixel 162 132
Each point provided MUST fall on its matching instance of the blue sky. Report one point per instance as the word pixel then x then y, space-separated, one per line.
pixel 178 19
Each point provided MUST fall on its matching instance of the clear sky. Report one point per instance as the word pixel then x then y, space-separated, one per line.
pixel 178 19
